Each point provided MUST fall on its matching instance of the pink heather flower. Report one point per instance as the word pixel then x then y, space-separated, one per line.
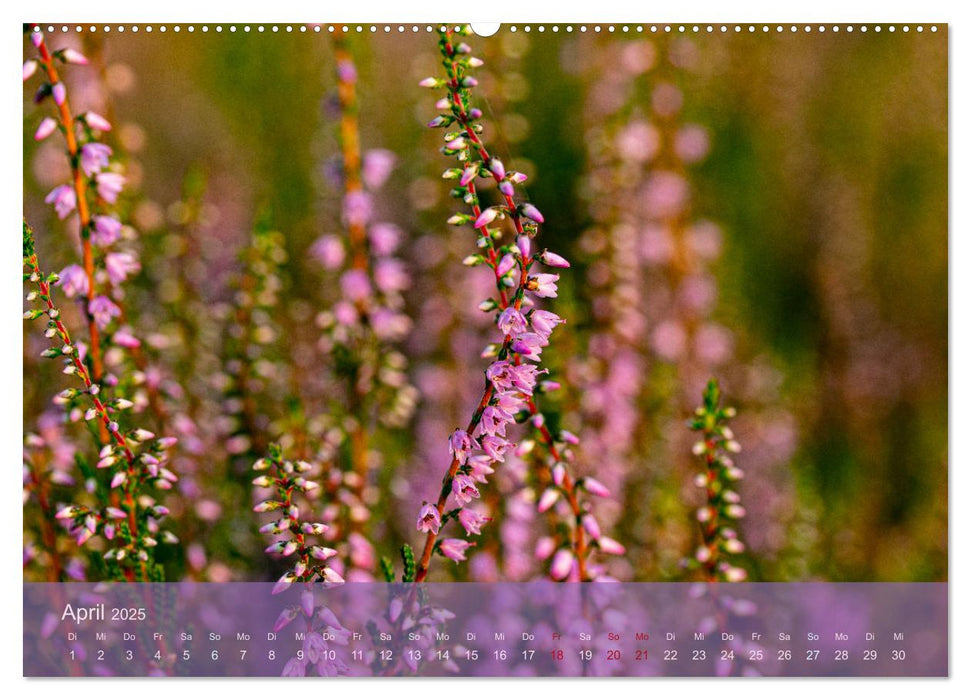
pixel 63 199
pixel 59 92
pixel 691 143
pixel 73 56
pixel 610 546
pixel 464 489
pixel 345 313
pixel 346 72
pixel 511 321
pixel 495 447
pixel 506 376
pixel 73 280
pixel 124 338
pixel 376 166
pixel 506 264
pixel 531 212
pixel 329 251
pixel 110 186
pixel 562 564
pixel 355 285
pixel 94 157
pixel 30 67
pixel 472 521
pixel 45 128
pixel 428 519
pixel 543 285
pixel 493 422
pixel 390 276
pixel 595 487
pixel 529 345
pixel 454 549
pixel 480 467
pixel 544 322
pixel 357 208
pixel 96 121
pixel 106 231
pixel 546 501
pixel 510 403
pixel 460 445
pixel 486 217
pixel 384 238
pixel 591 525
pixel 524 244
pixel 638 142
pixel 120 265
pixel 553 260
pixel 103 310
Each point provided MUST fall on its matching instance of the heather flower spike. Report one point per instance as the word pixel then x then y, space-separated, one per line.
pixel 133 463
pixel 718 517
pixel 512 376
pixel 296 536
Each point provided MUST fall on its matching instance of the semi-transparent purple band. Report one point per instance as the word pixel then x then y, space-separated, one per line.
pixel 480 629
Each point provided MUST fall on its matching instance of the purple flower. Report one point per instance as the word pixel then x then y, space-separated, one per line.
pixel 329 251
pixel 106 231
pixel 59 92
pixel 103 310
pixel 125 339
pixel 480 467
pixel 562 564
pixel 63 199
pixel 493 422
pixel 357 208
pixel 94 157
pixel 553 260
pixel 96 121
pixel 384 238
pixel 544 322
pixel 120 265
pixel 511 321
pixel 428 519
pixel 346 72
pixel 464 489
pixel 390 276
pixel 495 447
pixel 543 285
pixel 531 212
pixel 45 129
pixel 355 285
pixel 472 521
pixel 454 549
pixel 376 166
pixel 529 345
pixel 506 264
pixel 110 186
pixel 73 280
pixel 460 445
pixel 506 376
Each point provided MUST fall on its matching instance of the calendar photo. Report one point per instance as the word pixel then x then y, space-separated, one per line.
pixel 563 350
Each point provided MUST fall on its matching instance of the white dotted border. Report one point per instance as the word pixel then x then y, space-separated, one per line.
pixel 541 28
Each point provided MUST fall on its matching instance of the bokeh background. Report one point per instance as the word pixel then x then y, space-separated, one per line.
pixel 798 253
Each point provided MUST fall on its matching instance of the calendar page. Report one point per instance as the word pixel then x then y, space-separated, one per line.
pixel 560 350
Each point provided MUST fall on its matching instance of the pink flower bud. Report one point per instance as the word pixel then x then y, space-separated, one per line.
pixel 595 487
pixel 562 564
pixel 45 129
pixel 59 93
pixel 486 217
pixel 96 121
pixel 506 264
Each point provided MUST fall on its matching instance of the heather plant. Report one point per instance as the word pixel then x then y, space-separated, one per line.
pixel 719 475
pixel 294 535
pixel 120 506
pixel 511 380
pixel 107 258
